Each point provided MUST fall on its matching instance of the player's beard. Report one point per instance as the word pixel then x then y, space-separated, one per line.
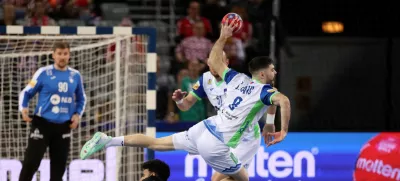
pixel 272 81
pixel 62 64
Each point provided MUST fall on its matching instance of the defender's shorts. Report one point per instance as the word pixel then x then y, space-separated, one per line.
pixel 199 140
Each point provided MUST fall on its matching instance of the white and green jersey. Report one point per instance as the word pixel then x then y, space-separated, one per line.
pixel 208 86
pixel 245 103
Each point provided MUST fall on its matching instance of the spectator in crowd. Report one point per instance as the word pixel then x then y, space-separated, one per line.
pixel 8 15
pixel 19 7
pixel 198 111
pixel 185 25
pixel 235 52
pixel 180 75
pixel 16 3
pixel 165 87
pixel 195 47
pixel 246 32
pixel 213 11
pixel 27 66
pixel 38 16
pixel 155 170
pixel 126 22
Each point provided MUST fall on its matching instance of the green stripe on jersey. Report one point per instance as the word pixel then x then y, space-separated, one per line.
pixel 270 97
pixel 219 83
pixel 223 74
pixel 257 131
pixel 195 95
pixel 233 157
pixel 234 141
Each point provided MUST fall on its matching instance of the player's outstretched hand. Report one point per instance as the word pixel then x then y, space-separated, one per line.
pixel 227 30
pixel 178 95
pixel 75 121
pixel 268 128
pixel 278 137
pixel 25 115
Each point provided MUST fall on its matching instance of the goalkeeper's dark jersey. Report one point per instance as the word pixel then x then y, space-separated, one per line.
pixel 61 94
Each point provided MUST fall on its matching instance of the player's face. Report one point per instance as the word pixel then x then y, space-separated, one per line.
pixel 146 173
pixel 269 74
pixel 61 57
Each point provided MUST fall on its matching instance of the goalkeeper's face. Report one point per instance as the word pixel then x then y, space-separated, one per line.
pixel 61 57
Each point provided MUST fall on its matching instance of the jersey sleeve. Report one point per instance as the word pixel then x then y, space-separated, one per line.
pixel 34 85
pixel 198 89
pixel 267 93
pixel 80 97
pixel 229 75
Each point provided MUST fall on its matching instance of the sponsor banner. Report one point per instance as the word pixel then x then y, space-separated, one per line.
pixel 300 157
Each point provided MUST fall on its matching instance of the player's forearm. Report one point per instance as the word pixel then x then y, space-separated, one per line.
pixel 285 114
pixel 216 54
pixel 81 98
pixel 80 105
pixel 24 98
pixel 271 111
pixel 184 105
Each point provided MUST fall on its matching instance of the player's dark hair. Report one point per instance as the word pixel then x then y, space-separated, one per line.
pixel 60 45
pixel 160 168
pixel 259 63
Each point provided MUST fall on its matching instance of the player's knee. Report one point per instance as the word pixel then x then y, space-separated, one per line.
pixel 218 177
pixel 228 179
pixel 241 175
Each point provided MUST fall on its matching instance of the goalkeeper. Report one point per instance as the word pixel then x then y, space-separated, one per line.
pixel 59 109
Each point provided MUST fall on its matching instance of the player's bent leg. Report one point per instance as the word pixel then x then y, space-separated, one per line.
pixel 218 176
pixel 178 141
pixel 238 176
pixel 219 156
pixel 100 141
pixel 228 179
pixel 187 140
pixel 144 141
pixel 245 152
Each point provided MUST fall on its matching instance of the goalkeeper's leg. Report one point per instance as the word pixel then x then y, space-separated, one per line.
pixel 178 141
pixel 37 145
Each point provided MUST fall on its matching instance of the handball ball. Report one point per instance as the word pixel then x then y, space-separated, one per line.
pixel 233 18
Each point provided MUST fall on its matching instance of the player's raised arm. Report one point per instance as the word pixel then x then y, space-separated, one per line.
pixel 216 56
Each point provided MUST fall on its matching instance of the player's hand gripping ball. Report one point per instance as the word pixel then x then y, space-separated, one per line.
pixel 233 18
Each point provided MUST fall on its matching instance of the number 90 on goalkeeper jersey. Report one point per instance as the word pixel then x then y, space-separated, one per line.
pixel 246 102
pixel 61 94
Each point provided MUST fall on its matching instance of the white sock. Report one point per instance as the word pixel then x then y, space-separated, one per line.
pixel 116 141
